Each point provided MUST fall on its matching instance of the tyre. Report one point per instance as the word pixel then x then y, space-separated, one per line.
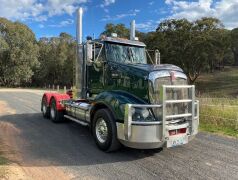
pixel 45 108
pixel 55 115
pixel 105 131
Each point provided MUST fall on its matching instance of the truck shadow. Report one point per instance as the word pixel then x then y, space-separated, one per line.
pixel 40 142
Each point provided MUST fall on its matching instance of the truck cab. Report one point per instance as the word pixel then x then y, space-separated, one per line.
pixel 126 99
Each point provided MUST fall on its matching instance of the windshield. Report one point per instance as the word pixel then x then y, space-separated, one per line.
pixel 126 53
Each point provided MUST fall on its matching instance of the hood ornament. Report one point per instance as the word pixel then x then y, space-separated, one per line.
pixel 172 76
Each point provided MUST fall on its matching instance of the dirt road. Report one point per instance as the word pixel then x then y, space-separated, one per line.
pixel 41 149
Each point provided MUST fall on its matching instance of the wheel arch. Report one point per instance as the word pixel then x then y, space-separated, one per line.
pixel 98 106
pixel 115 101
pixel 47 96
pixel 58 97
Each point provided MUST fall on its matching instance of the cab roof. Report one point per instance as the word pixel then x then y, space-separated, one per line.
pixel 123 41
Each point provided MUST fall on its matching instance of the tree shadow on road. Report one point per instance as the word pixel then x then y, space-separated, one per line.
pixel 39 142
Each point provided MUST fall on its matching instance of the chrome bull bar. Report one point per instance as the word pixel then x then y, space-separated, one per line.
pixel 194 114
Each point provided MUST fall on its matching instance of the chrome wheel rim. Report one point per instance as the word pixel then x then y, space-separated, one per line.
pixel 101 130
pixel 52 112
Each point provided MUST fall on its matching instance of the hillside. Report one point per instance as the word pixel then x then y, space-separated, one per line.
pixel 219 84
pixel 218 93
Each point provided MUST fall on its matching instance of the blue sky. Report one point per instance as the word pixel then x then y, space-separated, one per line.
pixel 50 17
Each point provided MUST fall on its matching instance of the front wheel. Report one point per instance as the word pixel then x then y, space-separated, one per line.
pixel 55 115
pixel 104 131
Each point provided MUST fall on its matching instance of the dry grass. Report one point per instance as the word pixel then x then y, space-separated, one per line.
pixel 219 115
pixel 219 84
pixel 218 95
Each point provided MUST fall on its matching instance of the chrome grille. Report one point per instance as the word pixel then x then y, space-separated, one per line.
pixel 155 92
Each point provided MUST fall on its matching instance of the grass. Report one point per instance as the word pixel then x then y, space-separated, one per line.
pixel 218 95
pixel 3 161
pixel 219 84
pixel 3 170
pixel 219 115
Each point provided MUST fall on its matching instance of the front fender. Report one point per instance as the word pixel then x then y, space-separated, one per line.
pixel 115 101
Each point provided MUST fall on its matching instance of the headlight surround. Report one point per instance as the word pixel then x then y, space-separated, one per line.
pixel 142 114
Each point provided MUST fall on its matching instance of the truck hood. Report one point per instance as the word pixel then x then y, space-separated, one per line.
pixel 143 70
pixel 150 67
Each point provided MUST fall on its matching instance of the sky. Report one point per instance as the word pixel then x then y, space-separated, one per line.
pixel 49 18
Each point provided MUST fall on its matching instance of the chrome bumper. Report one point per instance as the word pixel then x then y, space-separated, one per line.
pixel 144 137
pixel 149 135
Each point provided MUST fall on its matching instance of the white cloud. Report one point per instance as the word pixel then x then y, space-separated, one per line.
pixel 151 3
pixel 147 26
pixel 58 7
pixel 106 10
pixel 120 16
pixel 20 9
pixel 40 18
pixel 168 1
pixel 225 10
pixel 63 23
pixel 37 10
pixel 160 11
pixel 41 26
pixel 107 3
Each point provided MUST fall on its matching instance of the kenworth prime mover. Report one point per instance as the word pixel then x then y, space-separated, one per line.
pixel 124 99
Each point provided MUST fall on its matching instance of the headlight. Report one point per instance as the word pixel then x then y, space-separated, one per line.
pixel 142 114
pixel 145 113
pixel 139 113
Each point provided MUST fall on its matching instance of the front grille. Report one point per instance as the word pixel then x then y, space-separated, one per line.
pixel 172 94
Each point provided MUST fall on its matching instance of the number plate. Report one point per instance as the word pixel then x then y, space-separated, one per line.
pixel 177 141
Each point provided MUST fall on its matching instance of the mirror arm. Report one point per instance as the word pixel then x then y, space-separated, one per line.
pixel 149 56
pixel 99 51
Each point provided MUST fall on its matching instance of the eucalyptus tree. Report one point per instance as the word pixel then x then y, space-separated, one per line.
pixel 57 56
pixel 234 44
pixel 18 53
pixel 191 45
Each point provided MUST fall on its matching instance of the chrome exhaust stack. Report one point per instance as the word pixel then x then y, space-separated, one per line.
pixel 79 63
pixel 79 30
pixel 133 30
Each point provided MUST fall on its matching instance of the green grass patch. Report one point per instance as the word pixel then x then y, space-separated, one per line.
pixel 218 96
pixel 218 130
pixel 3 170
pixel 219 115
pixel 3 160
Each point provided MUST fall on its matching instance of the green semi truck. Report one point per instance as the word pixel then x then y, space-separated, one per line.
pixel 124 99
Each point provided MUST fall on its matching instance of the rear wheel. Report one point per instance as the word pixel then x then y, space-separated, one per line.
pixel 104 131
pixel 55 115
pixel 45 108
